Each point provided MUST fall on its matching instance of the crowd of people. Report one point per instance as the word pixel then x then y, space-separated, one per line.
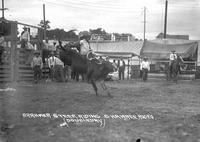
pixel 55 65
pixel 57 68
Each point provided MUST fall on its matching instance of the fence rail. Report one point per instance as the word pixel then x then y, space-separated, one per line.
pixel 186 67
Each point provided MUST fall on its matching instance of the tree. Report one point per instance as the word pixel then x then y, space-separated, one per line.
pixel 61 34
pixel 98 31
pixel 47 22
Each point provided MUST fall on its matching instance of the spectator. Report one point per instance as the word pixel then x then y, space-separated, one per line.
pixel 145 67
pixel 59 70
pixel 107 59
pixel 115 65
pixel 121 68
pixel 51 63
pixel 25 38
pixel 1 40
pixel 1 49
pixel 25 44
pixel 37 65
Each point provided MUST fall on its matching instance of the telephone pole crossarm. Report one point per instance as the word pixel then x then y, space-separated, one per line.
pixel 3 9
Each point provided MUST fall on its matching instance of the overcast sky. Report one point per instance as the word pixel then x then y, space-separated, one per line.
pixel 115 16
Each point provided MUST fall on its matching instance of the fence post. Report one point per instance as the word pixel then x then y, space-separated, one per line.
pixel 14 74
pixel 128 69
pixel 195 69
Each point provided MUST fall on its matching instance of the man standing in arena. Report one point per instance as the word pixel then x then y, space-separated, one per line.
pixel 172 57
pixel 145 67
pixel 121 68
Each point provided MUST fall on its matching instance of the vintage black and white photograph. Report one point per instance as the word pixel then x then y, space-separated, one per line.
pixel 99 71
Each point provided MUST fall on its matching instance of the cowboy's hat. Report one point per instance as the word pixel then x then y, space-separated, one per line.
pixel 25 27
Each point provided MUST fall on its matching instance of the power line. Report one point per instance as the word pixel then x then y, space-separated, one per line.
pixel 89 7
pixel 118 6
pixel 92 4
pixel 80 1
pixel 109 5
pixel 76 6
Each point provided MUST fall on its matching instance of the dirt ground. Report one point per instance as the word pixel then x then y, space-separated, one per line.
pixel 161 112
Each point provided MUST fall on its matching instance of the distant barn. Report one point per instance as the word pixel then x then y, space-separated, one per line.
pixel 161 36
pixel 128 50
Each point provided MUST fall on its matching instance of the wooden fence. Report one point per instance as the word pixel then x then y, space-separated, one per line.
pixel 5 67
pixel 8 66
pixel 15 64
pixel 16 70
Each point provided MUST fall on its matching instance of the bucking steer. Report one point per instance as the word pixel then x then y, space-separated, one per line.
pixel 94 70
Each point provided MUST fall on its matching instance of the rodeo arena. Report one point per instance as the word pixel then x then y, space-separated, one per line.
pixel 97 91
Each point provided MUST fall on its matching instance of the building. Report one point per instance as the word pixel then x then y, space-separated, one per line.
pixel 161 36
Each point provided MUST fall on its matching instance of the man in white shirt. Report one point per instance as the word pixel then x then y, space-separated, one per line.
pixel 121 68
pixel 145 67
pixel 25 38
pixel 59 70
pixel 172 57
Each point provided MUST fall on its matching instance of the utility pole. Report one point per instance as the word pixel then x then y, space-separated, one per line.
pixel 165 25
pixel 45 38
pixel 144 23
pixel 3 9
